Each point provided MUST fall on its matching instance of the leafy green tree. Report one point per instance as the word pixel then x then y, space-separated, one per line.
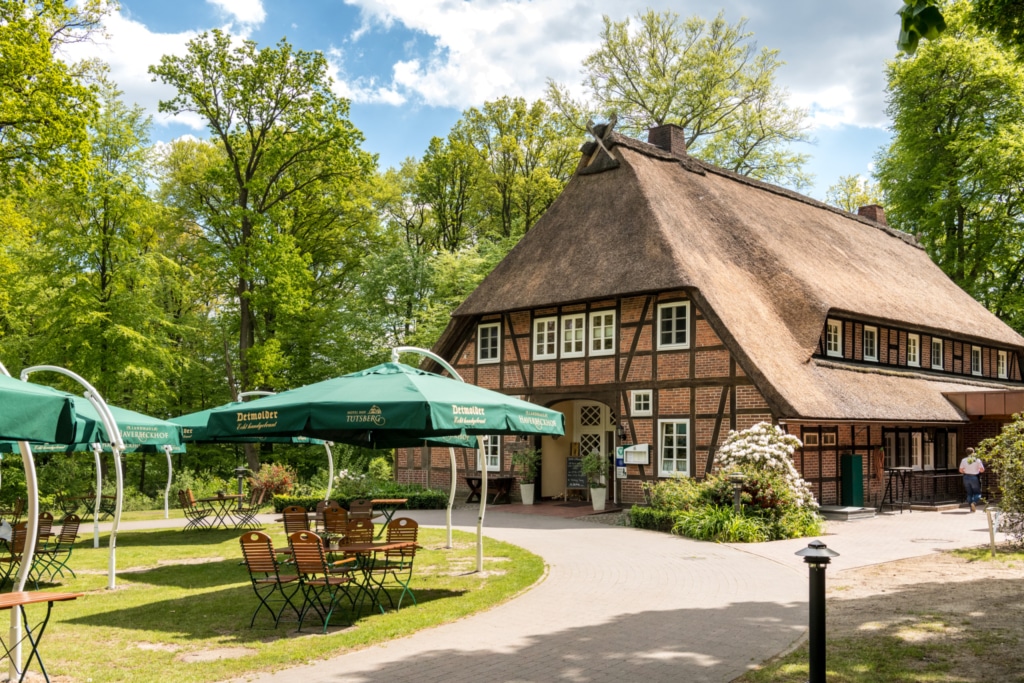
pixel 100 263
pixel 920 19
pixel 448 184
pixel 45 106
pixel 706 77
pixel 954 172
pixel 851 192
pixel 277 194
pixel 1004 455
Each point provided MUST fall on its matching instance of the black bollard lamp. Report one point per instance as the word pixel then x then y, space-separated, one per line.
pixel 240 473
pixel 736 479
pixel 817 556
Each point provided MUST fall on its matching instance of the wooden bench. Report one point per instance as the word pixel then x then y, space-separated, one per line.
pixel 499 488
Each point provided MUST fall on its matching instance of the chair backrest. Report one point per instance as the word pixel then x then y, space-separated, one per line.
pixel 19 507
pixel 308 554
pixel 360 509
pixel 19 532
pixel 295 519
pixel 183 500
pixel 256 497
pixel 335 521
pixel 45 524
pixel 69 530
pixel 403 529
pixel 258 551
pixel 358 530
pixel 191 497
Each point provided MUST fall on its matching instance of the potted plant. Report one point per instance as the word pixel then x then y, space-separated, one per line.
pixel 527 463
pixel 595 467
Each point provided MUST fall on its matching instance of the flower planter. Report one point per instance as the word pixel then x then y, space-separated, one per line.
pixel 598 496
pixel 527 492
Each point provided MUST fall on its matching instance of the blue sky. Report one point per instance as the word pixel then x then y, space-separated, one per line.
pixel 410 67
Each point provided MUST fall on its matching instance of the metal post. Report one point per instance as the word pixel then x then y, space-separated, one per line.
pixel 817 556
pixel 737 479
pixel 240 474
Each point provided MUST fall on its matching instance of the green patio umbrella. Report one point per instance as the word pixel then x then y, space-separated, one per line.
pixel 390 405
pixel 35 413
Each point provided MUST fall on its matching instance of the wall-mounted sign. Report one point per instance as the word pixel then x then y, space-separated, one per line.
pixel 637 454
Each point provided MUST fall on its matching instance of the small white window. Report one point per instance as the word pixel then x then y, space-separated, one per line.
pixel 545 338
pixel 811 439
pixel 828 439
pixel 870 343
pixel 675 448
pixel 834 338
pixel 602 333
pixel 929 455
pixel 642 405
pixel 975 360
pixel 492 453
pixel 1001 365
pixel 573 336
pixel 915 450
pixel 936 354
pixel 914 350
pixel 488 343
pixel 673 325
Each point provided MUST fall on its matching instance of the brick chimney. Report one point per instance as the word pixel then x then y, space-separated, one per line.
pixel 670 137
pixel 873 212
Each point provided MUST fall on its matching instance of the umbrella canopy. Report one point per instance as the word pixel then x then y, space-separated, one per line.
pixel 137 429
pixel 193 430
pixel 32 412
pixel 387 406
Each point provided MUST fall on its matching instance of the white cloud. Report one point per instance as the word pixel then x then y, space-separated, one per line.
pixel 129 49
pixel 247 12
pixel 835 52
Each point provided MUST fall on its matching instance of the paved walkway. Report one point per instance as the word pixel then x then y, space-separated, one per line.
pixel 622 604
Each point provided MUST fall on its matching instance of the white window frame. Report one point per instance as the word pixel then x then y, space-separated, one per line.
pixel 940 365
pixel 829 439
pixel 545 327
pixel 579 324
pixel 480 347
pixel 491 454
pixel 811 439
pixel 929 455
pixel 675 472
pixel 864 343
pixel 1001 365
pixel 685 344
pixel 834 338
pixel 599 320
pixel 641 397
pixel 976 368
pixel 916 450
pixel 914 342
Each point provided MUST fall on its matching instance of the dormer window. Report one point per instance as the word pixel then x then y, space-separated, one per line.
pixel 975 360
pixel 913 350
pixel 936 354
pixel 1001 365
pixel 870 343
pixel 834 338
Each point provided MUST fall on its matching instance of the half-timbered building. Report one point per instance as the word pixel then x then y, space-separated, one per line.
pixel 663 301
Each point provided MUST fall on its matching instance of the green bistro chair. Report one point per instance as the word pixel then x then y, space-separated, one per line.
pixel 267 581
pixel 323 586
pixel 54 556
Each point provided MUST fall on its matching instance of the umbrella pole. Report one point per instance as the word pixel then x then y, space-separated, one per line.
pixel 27 555
pixel 451 497
pixel 483 504
pixel 330 469
pixel 97 450
pixel 170 475
pixel 112 571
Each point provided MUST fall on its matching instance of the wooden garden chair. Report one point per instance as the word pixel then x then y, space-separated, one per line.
pixel 54 556
pixel 265 574
pixel 396 566
pixel 295 519
pixel 335 524
pixel 320 507
pixel 13 513
pixel 323 585
pixel 247 513
pixel 196 516
pixel 15 548
pixel 45 527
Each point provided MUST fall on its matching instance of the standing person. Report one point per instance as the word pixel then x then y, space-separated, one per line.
pixel 971 467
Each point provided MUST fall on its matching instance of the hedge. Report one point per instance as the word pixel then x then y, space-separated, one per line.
pixel 419 499
pixel 643 517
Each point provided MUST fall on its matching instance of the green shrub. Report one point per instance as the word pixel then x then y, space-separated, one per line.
pixel 204 484
pixel 419 498
pixel 273 478
pixel 379 469
pixel 797 523
pixel 1004 455
pixel 656 519
pixel 721 524
pixel 677 493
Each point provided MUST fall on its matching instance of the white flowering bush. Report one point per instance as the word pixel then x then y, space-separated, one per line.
pixel 766 449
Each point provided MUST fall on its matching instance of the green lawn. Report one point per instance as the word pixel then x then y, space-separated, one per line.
pixel 181 594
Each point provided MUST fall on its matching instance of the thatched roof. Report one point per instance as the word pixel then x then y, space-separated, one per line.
pixel 765 264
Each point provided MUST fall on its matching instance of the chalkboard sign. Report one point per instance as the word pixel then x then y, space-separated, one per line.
pixel 574 477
